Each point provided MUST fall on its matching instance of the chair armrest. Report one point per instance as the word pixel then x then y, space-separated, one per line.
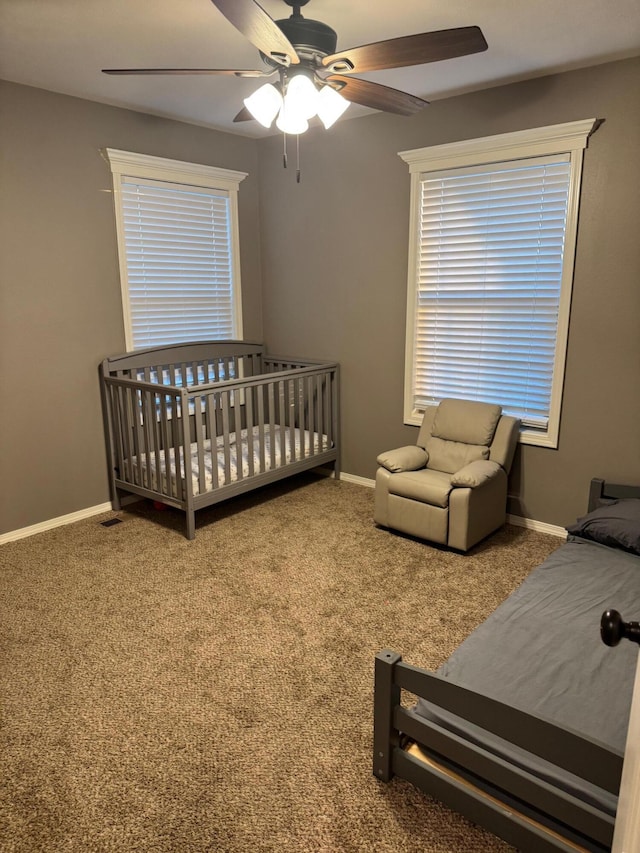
pixel 409 458
pixel 475 473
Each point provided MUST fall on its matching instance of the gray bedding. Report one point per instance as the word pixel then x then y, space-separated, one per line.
pixel 541 652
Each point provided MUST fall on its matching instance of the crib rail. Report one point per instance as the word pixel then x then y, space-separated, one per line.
pixel 158 414
pixel 189 364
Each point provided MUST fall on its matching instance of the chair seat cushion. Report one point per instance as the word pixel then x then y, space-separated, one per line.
pixel 429 487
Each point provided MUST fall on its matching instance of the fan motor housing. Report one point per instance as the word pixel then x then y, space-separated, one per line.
pixel 307 36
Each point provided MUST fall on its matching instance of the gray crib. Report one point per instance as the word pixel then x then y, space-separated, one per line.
pixel 192 424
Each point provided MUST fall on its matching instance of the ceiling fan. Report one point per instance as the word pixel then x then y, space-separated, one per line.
pixel 314 79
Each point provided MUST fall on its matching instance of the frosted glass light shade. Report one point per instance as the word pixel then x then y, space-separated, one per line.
pixel 330 106
pixel 289 122
pixel 264 104
pixel 301 98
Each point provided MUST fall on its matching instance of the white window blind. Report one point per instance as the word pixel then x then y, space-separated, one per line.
pixel 179 264
pixel 178 245
pixel 489 278
pixel 491 253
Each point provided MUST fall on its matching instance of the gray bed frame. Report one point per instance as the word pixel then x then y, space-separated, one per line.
pixel 529 813
pixel 168 403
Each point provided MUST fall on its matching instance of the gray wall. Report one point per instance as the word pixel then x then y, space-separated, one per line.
pixel 335 267
pixel 324 267
pixel 60 303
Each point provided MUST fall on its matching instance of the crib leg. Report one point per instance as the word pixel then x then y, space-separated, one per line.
pixel 191 524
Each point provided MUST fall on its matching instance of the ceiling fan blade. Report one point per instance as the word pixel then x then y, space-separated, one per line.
pixel 259 28
pixel 408 50
pixel 228 71
pixel 378 97
pixel 244 115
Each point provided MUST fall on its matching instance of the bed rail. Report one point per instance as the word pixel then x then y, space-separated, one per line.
pixel 601 492
pixel 528 812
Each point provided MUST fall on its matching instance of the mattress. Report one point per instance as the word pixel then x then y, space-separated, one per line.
pixel 241 447
pixel 541 652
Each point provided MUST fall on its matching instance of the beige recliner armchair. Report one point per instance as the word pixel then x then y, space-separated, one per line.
pixel 451 487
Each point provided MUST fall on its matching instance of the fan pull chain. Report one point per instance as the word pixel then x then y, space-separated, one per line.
pixel 298 159
pixel 284 150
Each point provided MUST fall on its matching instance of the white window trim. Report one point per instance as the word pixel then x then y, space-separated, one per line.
pixel 568 138
pixel 127 164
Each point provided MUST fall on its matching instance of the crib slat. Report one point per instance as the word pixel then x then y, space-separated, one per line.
pixel 225 436
pixel 237 416
pixel 146 439
pixel 165 487
pixel 126 434
pixel 283 419
pixel 114 394
pixel 301 416
pixel 272 422
pixel 176 444
pixel 199 434
pixel 311 417
pixel 138 433
pixel 183 442
pixel 330 406
pixel 157 438
pixel 293 401
pixel 320 415
pixel 249 426
pixel 260 402
pixel 210 423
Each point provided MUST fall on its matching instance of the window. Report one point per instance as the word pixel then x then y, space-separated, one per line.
pixel 177 226
pixel 493 230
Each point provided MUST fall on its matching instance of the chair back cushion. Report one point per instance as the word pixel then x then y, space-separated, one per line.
pixel 451 456
pixel 466 421
pixel 462 432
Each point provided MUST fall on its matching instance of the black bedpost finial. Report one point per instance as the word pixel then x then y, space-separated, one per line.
pixel 613 629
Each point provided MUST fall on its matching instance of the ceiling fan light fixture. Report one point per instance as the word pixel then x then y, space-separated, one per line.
pixel 264 104
pixel 331 105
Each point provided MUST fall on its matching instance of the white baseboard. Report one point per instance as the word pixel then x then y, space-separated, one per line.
pixel 539 526
pixel 61 520
pixel 23 533
pixel 359 481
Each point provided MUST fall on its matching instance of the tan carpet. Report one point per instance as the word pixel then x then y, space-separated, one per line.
pixel 216 695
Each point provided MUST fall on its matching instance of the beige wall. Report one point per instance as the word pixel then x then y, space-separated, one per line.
pixel 60 304
pixel 324 267
pixel 335 267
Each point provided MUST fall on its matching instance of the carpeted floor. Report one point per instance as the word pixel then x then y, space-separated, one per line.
pixel 216 695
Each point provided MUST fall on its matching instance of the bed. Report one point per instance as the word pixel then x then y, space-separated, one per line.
pixel 193 424
pixel 523 728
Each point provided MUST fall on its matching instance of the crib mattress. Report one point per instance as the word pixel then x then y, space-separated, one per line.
pixel 297 444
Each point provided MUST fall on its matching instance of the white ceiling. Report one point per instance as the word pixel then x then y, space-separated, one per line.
pixel 62 45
